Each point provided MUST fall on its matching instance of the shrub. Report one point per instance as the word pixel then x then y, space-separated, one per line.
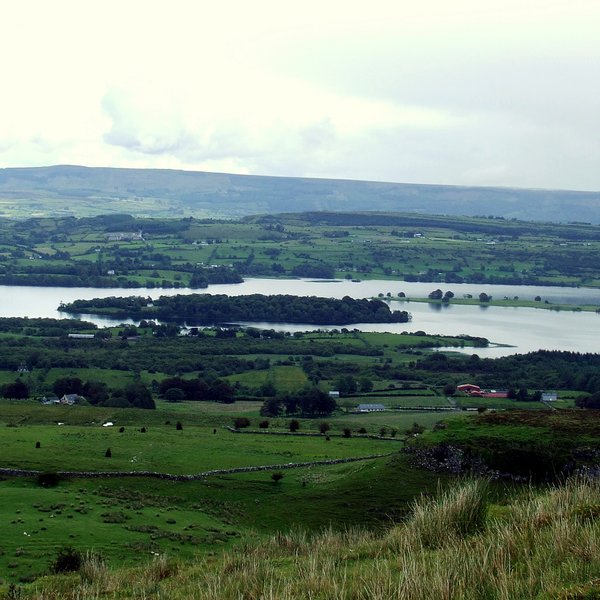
pixel 347 432
pixel 108 453
pixel 324 427
pixel 143 430
pixel 38 445
pixel 277 476
pixel 362 430
pixel 264 424
pixel 179 426
pixel 415 428
pixel 294 425
pixel 121 429
pixel 241 422
pixel 48 479
pixel 67 560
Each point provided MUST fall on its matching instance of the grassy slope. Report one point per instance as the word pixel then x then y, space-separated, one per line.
pixel 545 545
pixel 129 519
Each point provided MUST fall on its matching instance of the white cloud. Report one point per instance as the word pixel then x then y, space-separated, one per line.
pixel 461 92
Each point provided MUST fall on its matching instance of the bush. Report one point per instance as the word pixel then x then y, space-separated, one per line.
pixel 264 424
pixel 324 427
pixel 277 476
pixel 241 422
pixel 415 429
pixel 294 425
pixel 179 426
pixel 347 432
pixel 108 453
pixel 48 479
pixel 67 560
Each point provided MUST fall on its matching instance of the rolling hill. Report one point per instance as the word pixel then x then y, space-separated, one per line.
pixel 86 191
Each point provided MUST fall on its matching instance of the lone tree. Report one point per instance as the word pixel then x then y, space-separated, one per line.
pixel 108 453
pixel 324 427
pixel 277 476
pixel 294 425
pixel 178 426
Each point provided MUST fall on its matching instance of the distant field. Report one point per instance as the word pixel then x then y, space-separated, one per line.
pixel 176 251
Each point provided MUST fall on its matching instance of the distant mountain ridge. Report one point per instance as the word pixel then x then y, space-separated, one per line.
pixel 85 191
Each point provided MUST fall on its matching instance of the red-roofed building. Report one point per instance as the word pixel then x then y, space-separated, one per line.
pixel 468 388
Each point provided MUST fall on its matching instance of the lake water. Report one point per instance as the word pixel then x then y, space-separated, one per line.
pixel 523 329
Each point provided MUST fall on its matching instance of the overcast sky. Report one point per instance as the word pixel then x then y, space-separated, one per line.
pixel 475 92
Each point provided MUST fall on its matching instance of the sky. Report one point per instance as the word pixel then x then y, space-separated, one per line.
pixel 468 92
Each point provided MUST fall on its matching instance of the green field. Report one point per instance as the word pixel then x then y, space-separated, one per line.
pixel 182 252
pixel 164 449
pixel 128 519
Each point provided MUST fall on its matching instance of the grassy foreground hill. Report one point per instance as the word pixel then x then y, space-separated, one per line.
pixel 542 545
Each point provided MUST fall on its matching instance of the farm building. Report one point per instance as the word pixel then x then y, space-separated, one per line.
pixel 468 388
pixel 70 399
pixel 51 399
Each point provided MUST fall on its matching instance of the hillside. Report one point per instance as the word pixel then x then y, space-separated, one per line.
pixel 86 191
pixel 544 545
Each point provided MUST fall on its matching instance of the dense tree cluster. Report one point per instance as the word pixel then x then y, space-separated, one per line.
pixel 309 402
pixel 199 309
pixel 544 369
pixel 133 395
pixel 175 389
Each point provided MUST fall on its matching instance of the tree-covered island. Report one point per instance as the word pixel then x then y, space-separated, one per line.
pixel 208 309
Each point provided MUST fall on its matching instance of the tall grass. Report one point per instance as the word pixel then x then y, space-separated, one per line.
pixel 545 545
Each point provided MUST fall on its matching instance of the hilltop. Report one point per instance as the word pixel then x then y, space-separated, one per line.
pixel 87 191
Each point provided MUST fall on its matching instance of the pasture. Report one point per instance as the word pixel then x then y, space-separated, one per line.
pixel 125 519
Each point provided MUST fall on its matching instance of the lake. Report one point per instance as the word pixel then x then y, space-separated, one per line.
pixel 523 329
